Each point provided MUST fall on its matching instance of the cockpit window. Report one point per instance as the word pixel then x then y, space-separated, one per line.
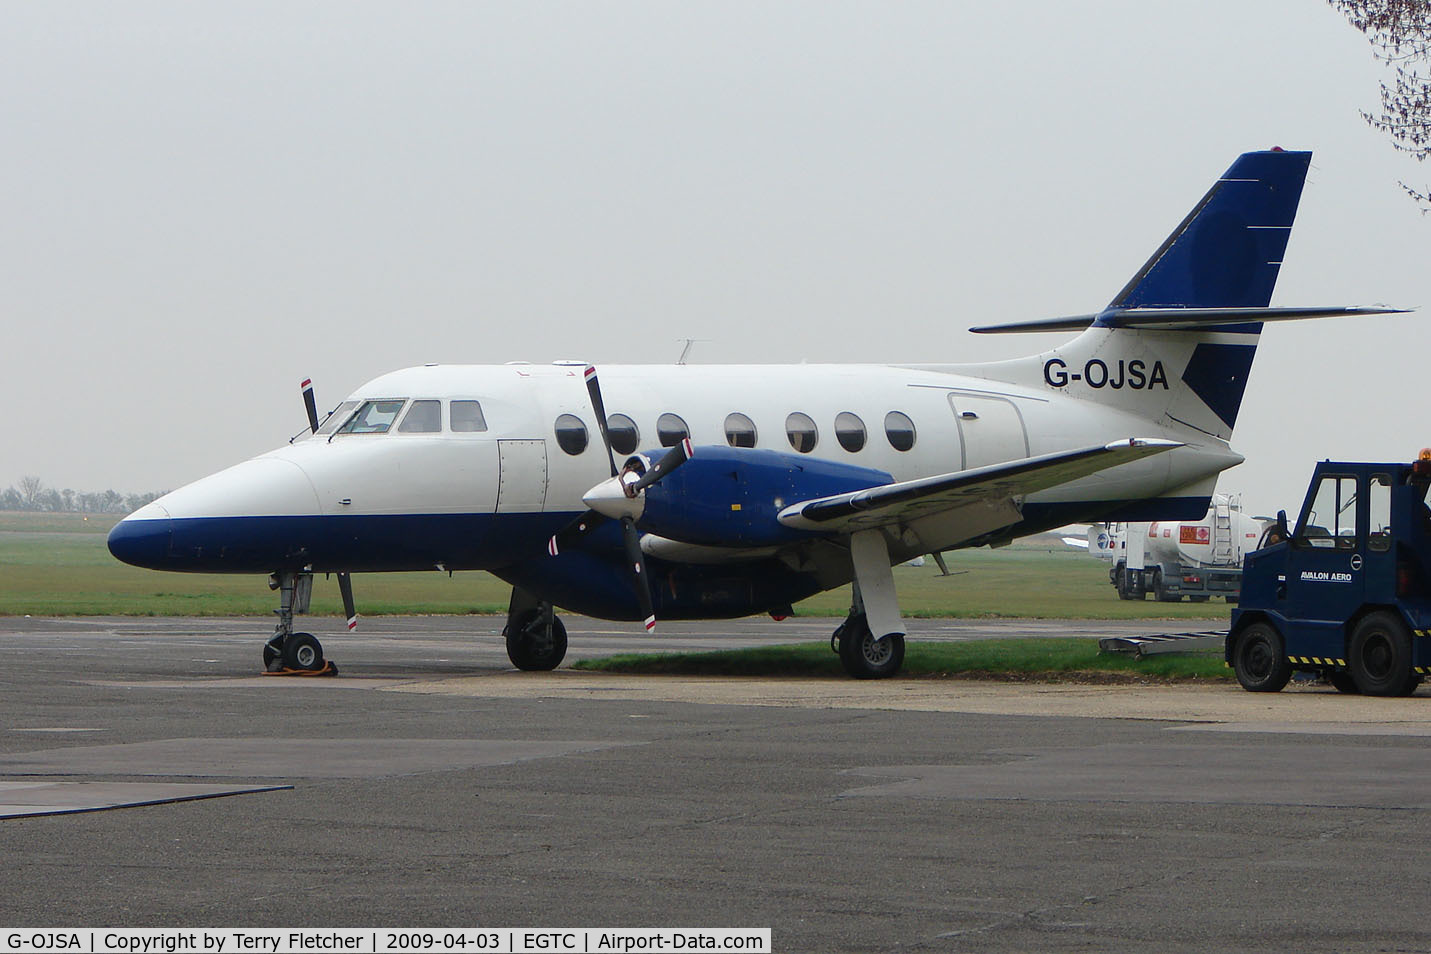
pixel 467 417
pixel 424 417
pixel 339 416
pixel 374 417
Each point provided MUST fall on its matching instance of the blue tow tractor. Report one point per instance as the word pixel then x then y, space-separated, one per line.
pixel 1347 595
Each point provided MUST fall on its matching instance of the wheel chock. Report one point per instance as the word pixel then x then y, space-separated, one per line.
pixel 328 670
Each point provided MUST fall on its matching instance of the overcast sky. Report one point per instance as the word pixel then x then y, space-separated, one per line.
pixel 202 204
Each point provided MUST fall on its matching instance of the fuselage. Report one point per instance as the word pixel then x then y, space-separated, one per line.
pixel 474 467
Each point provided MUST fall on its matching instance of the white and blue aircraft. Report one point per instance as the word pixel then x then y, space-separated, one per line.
pixel 690 492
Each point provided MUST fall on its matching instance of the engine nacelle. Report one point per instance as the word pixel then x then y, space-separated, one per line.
pixel 730 496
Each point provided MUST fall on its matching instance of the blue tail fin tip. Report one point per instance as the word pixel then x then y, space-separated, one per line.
pixel 1227 252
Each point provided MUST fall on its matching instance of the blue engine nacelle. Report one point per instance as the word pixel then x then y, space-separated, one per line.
pixel 730 496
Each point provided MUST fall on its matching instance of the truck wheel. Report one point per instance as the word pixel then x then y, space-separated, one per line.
pixel 1120 582
pixel 1259 659
pixel 1160 593
pixel 1342 681
pixel 1379 656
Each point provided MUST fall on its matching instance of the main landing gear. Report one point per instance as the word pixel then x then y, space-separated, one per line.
pixel 863 656
pixel 870 641
pixel 288 652
pixel 536 638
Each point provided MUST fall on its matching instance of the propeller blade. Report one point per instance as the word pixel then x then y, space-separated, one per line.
pixel 669 461
pixel 637 560
pixel 350 609
pixel 593 387
pixel 573 533
pixel 310 404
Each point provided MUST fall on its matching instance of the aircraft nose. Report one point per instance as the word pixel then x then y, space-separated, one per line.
pixel 143 537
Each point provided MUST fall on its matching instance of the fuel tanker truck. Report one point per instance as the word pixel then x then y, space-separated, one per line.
pixel 1198 559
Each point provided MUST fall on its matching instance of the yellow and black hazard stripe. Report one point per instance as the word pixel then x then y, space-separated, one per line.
pixel 1421 670
pixel 1422 632
pixel 1318 661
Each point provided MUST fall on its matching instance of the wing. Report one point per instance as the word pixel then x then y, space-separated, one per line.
pixel 985 497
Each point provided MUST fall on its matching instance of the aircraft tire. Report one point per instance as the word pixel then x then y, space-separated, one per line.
pixel 1259 659
pixel 865 657
pixel 531 650
pixel 1379 656
pixel 302 651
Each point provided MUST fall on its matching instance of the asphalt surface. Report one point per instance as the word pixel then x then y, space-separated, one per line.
pixel 430 785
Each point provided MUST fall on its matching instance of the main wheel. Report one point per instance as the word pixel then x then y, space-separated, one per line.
pixel 865 657
pixel 1379 656
pixel 302 651
pixel 1259 659
pixel 532 646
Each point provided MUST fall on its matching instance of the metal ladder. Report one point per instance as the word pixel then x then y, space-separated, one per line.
pixel 1222 532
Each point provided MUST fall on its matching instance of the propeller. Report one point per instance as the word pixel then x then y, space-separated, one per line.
pixel 593 388
pixel 345 579
pixel 620 498
pixel 350 609
pixel 310 404
pixel 637 561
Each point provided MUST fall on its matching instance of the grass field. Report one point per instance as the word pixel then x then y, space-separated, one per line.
pixel 58 565
pixel 1060 660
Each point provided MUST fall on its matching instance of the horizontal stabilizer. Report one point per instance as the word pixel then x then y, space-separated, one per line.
pixel 1181 319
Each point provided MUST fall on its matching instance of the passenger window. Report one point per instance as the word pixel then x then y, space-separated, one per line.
pixel 625 436
pixel 739 430
pixel 467 417
pixel 1379 501
pixel 899 429
pixel 1330 520
pixel 374 417
pixel 800 431
pixel 424 417
pixel 339 416
pixel 849 431
pixel 571 434
pixel 671 430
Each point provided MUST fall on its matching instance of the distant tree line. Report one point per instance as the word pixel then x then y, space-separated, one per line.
pixel 31 494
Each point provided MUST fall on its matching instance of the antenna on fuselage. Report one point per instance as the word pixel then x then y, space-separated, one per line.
pixel 686 351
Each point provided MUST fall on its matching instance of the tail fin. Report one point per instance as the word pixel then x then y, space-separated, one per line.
pixel 1227 252
pixel 1176 344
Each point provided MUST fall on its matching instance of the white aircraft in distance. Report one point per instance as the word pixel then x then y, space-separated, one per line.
pixel 725 491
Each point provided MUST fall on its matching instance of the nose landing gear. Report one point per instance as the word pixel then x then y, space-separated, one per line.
pixel 288 653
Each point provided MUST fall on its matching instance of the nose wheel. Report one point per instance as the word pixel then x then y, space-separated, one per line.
pixel 295 652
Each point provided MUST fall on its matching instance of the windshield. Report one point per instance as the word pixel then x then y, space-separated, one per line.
pixel 336 417
pixel 374 417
